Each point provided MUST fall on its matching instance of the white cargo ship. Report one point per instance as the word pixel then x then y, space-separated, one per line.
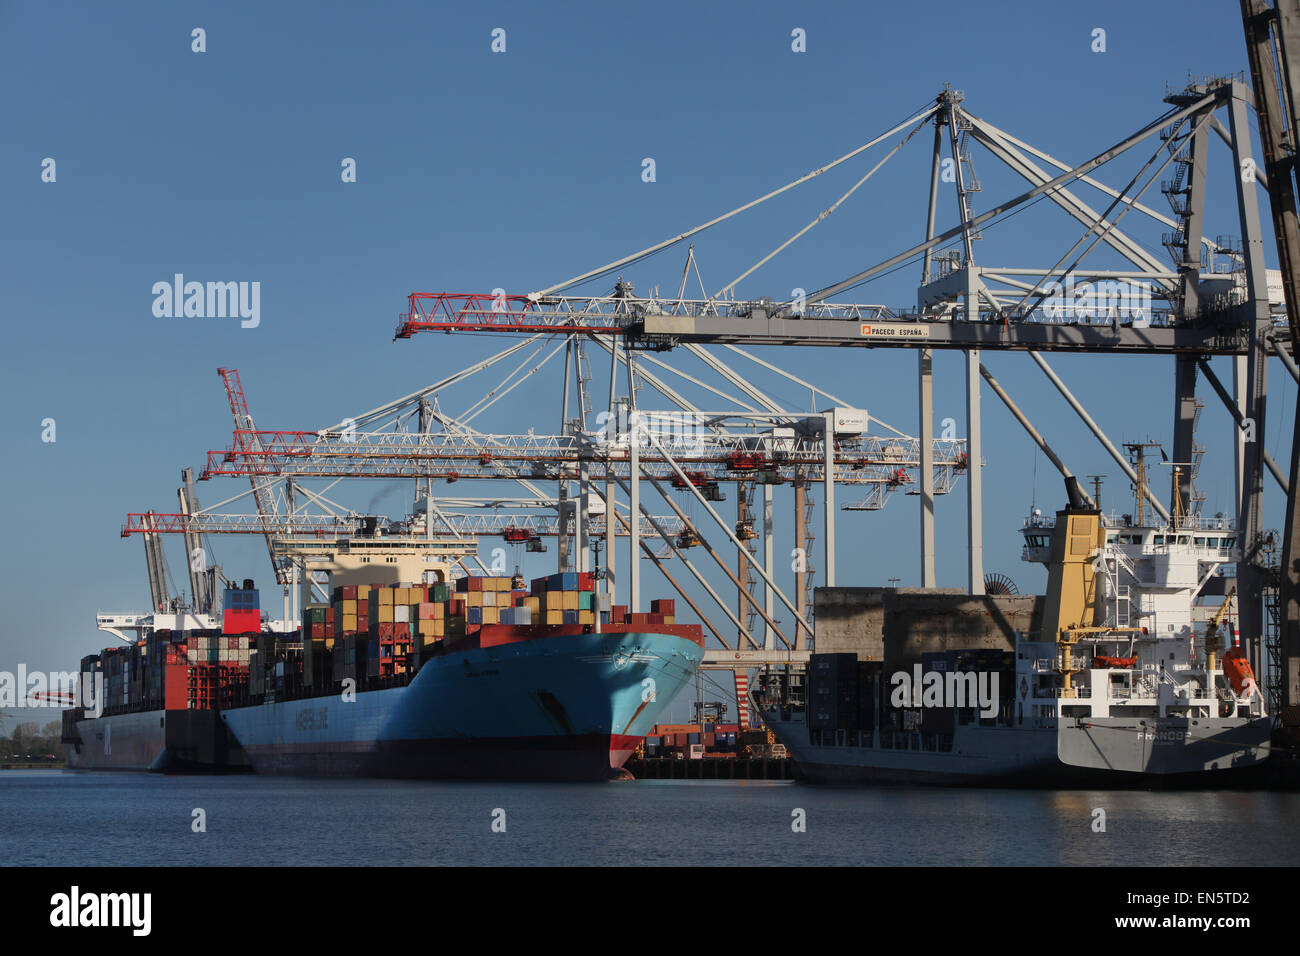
pixel 1122 686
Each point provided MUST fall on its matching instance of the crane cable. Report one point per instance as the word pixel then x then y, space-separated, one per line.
pixel 634 257
pixel 830 209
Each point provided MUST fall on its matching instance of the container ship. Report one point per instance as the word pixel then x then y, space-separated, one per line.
pixel 1110 679
pixel 476 679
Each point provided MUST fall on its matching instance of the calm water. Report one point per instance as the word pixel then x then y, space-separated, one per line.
pixel 61 818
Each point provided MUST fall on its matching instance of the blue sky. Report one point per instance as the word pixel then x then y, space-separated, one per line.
pixel 478 170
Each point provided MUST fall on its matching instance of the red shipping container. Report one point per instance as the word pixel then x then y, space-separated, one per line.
pixel 586 581
pixel 385 630
pixel 349 592
pixel 402 629
pixel 474 583
pixel 662 606
pixel 176 687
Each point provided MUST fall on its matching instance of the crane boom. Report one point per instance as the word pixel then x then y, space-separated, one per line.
pixel 247 439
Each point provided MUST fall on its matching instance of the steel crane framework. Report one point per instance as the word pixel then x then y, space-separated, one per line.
pixel 1199 297
pixel 1204 297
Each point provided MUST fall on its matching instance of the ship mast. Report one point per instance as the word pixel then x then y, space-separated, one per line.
pixel 1137 457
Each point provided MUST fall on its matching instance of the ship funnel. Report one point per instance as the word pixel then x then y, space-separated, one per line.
pixel 1078 500
pixel 1071 576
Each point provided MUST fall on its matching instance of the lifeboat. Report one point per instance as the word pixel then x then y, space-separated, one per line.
pixel 1238 671
pixel 1101 660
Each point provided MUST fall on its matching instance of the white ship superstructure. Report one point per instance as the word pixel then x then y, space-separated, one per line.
pixel 1131 677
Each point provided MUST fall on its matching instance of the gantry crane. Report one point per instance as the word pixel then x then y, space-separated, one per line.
pixel 511 527
pixel 247 439
pixel 865 460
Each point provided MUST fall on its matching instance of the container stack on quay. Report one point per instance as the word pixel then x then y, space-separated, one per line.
pixel 708 741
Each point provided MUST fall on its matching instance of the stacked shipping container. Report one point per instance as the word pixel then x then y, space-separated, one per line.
pixel 366 632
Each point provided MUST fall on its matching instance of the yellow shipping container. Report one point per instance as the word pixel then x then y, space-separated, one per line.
pixel 363 592
pixel 554 617
pixel 570 600
pixel 491 615
pixel 349 622
pixel 385 614
pixel 473 598
pixel 386 596
pixel 586 617
pixel 533 604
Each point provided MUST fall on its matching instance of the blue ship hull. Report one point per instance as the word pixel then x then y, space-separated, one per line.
pixel 563 707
